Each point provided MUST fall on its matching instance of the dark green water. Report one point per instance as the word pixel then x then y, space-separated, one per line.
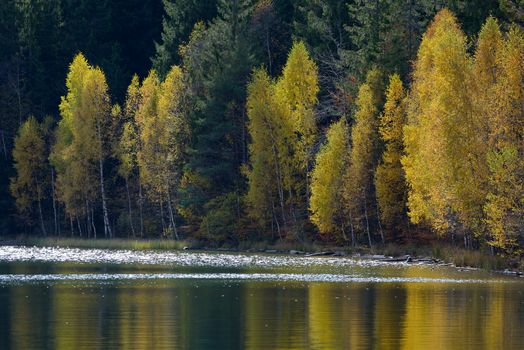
pixel 218 301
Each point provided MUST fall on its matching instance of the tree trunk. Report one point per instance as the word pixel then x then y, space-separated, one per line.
pixel 353 241
pixel 58 220
pixel 367 225
pixel 54 200
pixel 268 48
pixel 129 209
pixel 107 226
pixel 162 217
pixel 3 144
pixel 171 214
pixel 88 219
pixel 72 227
pixel 380 227
pixel 93 221
pixel 41 217
pixel 278 174
pixel 79 227
pixel 276 221
pixel 344 236
pixel 140 203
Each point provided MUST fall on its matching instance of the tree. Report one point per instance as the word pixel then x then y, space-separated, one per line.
pixel 366 33
pixel 177 24
pixel 327 178
pixel 270 133
pixel 389 177
pixel 218 61
pixel 30 161
pixel 127 148
pixel 505 205
pixel 163 132
pixel 98 107
pixel 297 91
pixel 174 135
pixel 445 142
pixel 359 192
pixel 74 186
pixel 270 34
pixel 81 146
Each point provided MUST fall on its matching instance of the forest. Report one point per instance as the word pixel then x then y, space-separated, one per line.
pixel 349 122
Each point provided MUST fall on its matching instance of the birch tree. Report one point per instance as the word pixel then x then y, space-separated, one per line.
pixel 29 186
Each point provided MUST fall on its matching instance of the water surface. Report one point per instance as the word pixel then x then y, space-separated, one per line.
pixel 104 299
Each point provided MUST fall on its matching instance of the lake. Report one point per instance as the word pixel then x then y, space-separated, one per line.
pixel 60 298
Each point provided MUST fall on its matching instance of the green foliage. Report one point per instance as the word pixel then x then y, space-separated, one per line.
pixel 221 218
pixel 216 142
pixel 218 62
pixel 177 24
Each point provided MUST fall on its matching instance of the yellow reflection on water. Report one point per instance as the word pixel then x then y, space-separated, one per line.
pixel 265 315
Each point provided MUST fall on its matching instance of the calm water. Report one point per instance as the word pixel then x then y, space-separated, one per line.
pixel 92 299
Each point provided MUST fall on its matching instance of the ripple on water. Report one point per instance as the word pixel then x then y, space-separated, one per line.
pixel 197 259
pixel 334 278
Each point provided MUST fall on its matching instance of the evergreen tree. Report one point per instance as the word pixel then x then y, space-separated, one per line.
pixel 271 35
pixel 177 24
pixel 218 62
pixel 40 51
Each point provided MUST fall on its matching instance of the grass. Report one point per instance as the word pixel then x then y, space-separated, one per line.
pixel 470 258
pixel 129 244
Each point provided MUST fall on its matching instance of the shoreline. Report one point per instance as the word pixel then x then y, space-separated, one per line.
pixel 436 254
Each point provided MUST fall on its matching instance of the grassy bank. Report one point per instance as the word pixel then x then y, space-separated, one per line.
pixel 457 256
pixel 129 244
pixel 442 251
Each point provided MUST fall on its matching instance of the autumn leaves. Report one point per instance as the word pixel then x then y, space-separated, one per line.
pixel 447 153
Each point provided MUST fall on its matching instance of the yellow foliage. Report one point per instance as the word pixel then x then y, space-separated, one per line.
pixel 268 151
pixel 297 91
pixel 445 140
pixel 327 178
pixel 29 156
pixel 283 130
pixel 389 177
pixel 503 97
pixel 359 175
pixel 82 131
pixel 163 132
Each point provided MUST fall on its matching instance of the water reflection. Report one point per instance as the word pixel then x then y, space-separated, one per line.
pixel 251 314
